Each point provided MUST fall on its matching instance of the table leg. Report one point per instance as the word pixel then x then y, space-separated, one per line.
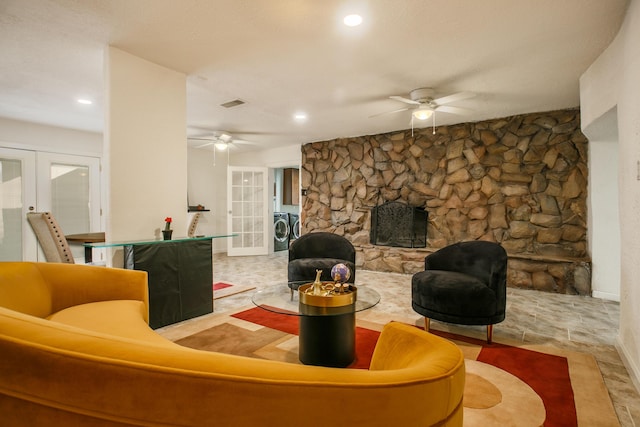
pixel 328 340
pixel 88 255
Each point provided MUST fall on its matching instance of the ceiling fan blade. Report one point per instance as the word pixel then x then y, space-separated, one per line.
pixel 199 139
pixel 242 142
pixel 405 100
pixel 389 112
pixel 259 133
pixel 204 145
pixel 223 136
pixel 453 110
pixel 454 97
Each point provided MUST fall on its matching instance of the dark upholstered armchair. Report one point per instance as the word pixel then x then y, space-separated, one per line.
pixel 314 251
pixel 464 283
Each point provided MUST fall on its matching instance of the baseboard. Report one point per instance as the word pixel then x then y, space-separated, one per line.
pixel 606 295
pixel 632 369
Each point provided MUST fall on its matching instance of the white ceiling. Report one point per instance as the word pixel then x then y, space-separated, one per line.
pixel 284 56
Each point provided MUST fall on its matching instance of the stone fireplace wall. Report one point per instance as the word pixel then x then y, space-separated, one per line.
pixel 520 181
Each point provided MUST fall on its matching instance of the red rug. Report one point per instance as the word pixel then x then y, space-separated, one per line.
pixel 507 383
pixel 547 374
pixel 221 285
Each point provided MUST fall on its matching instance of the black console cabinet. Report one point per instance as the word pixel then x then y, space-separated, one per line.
pixel 180 278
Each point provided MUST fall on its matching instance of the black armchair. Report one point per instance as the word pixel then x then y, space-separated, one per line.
pixel 464 283
pixel 314 251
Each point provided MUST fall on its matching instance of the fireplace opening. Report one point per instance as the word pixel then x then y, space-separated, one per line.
pixel 398 224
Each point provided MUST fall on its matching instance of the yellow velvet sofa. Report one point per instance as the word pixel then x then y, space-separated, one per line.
pixel 76 350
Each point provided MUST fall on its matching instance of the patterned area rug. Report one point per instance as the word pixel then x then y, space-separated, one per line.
pixel 506 384
pixel 224 289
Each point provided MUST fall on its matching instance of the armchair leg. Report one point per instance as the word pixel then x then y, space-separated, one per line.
pixel 427 323
pixel 489 334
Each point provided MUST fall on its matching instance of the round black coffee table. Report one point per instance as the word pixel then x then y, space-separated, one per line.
pixel 327 334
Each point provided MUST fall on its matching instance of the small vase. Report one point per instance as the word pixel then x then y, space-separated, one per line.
pixel 166 234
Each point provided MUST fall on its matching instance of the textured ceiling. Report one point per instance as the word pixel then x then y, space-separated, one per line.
pixel 283 56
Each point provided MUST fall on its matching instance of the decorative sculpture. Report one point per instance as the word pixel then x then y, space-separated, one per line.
pixel 317 288
pixel 329 294
pixel 340 273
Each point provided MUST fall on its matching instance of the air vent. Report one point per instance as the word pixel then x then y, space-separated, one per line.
pixel 233 103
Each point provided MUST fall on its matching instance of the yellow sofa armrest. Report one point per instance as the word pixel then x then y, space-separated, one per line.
pixel 406 350
pixel 73 284
pixel 401 346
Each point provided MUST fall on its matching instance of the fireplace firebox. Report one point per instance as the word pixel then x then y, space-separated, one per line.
pixel 398 224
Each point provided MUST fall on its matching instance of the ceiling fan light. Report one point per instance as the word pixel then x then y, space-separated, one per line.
pixel 221 145
pixel 422 113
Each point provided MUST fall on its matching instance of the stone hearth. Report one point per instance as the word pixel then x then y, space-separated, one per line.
pixel 520 181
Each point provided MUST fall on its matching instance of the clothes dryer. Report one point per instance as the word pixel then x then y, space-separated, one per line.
pixel 281 231
pixel 294 227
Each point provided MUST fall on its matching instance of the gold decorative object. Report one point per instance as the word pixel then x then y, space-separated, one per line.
pixel 317 288
pixel 327 294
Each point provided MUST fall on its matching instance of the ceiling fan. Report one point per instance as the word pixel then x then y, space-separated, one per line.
pixel 220 140
pixel 422 104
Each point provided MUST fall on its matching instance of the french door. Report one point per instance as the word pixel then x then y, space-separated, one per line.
pixel 247 203
pixel 66 185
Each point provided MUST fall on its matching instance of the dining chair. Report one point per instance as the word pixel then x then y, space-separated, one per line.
pixel 193 224
pixel 50 237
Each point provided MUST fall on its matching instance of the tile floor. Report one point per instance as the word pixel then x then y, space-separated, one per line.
pixel 577 323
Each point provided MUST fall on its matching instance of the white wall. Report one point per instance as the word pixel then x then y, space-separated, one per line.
pixel 612 81
pixel 145 147
pixel 36 137
pixel 207 186
pixel 289 156
pixel 604 217
pixel 603 212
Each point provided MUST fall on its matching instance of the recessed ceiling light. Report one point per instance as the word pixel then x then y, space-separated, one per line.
pixel 85 101
pixel 352 20
pixel 300 116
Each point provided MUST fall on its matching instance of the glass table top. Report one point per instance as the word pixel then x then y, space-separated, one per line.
pixel 278 299
pixel 152 241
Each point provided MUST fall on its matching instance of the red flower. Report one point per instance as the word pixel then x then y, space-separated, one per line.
pixel 167 224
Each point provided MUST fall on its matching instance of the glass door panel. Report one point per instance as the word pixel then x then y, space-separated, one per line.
pixel 247 199
pixel 17 194
pixel 69 187
pixel 70 201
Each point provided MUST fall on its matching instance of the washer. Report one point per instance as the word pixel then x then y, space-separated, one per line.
pixel 281 231
pixel 294 227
